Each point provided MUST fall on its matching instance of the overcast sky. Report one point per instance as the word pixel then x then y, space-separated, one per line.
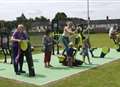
pixel 99 9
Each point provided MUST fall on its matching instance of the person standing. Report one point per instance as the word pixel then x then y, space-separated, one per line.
pixel 27 52
pixel 48 46
pixel 85 49
pixel 66 35
pixel 16 38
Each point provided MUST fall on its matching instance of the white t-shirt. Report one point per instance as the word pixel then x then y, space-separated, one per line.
pixel 65 33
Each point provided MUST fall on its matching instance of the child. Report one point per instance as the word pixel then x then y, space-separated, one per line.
pixel 48 45
pixel 85 49
pixel 70 54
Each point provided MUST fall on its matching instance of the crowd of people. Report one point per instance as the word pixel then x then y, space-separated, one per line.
pixel 21 47
pixel 73 40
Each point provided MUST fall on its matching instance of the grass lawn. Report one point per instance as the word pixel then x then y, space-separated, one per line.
pixel 101 40
pixel 103 76
pixel 97 40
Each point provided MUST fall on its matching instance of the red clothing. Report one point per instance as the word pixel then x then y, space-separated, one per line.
pixel 47 57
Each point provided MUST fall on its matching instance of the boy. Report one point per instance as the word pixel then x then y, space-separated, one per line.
pixel 70 54
pixel 85 49
pixel 48 45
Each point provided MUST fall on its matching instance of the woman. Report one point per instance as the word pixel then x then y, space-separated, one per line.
pixel 66 35
pixel 16 38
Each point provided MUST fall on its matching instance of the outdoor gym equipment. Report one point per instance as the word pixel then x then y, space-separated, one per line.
pixel 104 51
pixel 55 31
pixel 5 45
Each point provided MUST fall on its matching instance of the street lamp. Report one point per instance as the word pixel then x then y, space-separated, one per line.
pixel 88 17
pixel 55 31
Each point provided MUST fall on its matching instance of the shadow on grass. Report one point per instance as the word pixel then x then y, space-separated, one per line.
pixel 2 69
pixel 34 60
pixel 36 76
pixel 103 57
pixel 86 66
pixel 39 75
pixel 75 67
pixel 60 68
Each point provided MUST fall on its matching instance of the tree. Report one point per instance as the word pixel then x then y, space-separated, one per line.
pixel 10 25
pixel 60 16
pixel 37 19
pixel 41 18
pixel 23 20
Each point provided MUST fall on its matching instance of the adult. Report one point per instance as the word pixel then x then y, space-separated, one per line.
pixel 18 37
pixel 66 35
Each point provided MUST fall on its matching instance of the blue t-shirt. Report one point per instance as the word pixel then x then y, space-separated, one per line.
pixel 48 43
pixel 70 52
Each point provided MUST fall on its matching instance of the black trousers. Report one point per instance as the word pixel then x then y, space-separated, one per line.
pixel 17 65
pixel 29 60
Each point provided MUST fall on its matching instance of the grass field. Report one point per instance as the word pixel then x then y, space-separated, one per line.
pixel 103 76
pixel 101 40
pixel 97 40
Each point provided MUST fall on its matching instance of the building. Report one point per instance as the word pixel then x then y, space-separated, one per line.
pixel 76 22
pixel 103 25
pixel 40 26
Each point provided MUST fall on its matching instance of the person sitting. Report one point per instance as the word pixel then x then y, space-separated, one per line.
pixel 69 58
pixel 70 54
pixel 64 62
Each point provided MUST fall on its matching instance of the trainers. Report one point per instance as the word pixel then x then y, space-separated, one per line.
pixel 90 63
pixel 22 71
pixel 46 66
pixel 17 73
pixel 32 75
pixel 50 66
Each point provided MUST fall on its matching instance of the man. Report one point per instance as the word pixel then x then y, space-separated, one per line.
pixel 18 54
pixel 16 39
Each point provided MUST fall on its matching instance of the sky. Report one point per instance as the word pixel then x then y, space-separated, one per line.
pixel 98 9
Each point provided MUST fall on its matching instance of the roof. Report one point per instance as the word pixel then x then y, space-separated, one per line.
pixel 110 21
pixel 41 23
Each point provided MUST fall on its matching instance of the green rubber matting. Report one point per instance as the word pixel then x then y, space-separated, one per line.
pixel 46 75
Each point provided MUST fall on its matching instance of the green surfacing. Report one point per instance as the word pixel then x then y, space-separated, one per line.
pixel 46 75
